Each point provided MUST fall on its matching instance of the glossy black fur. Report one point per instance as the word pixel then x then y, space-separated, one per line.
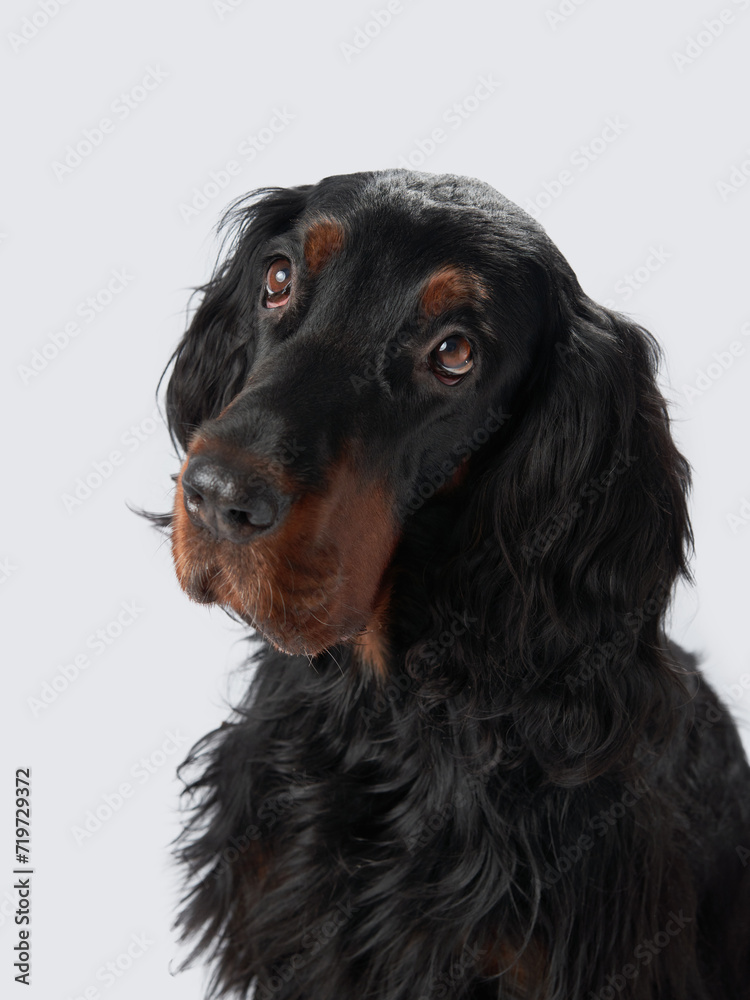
pixel 540 774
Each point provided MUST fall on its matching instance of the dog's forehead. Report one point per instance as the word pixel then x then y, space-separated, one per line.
pixel 408 189
pixel 401 202
pixel 402 217
pixel 384 227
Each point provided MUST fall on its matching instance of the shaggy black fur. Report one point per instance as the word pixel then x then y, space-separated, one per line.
pixel 520 789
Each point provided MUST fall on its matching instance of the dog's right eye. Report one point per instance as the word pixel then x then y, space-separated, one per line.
pixel 452 359
pixel 278 283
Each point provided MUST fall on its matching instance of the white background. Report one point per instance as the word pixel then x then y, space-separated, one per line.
pixel 224 74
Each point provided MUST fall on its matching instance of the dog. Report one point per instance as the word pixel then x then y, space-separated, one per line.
pixel 438 482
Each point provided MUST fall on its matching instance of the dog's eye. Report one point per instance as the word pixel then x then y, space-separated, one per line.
pixel 278 282
pixel 452 359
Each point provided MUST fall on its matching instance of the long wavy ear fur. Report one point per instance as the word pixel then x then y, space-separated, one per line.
pixel 585 529
pixel 215 354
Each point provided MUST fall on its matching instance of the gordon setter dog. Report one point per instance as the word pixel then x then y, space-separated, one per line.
pixel 439 482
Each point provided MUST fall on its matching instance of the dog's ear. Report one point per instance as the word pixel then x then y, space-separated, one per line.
pixel 214 357
pixel 585 507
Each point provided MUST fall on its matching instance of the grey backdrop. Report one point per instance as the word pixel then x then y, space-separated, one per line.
pixel 127 129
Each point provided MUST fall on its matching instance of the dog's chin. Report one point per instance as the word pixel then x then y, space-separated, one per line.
pixel 310 642
pixel 301 634
pixel 296 630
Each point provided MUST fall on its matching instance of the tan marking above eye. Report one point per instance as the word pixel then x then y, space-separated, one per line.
pixel 325 239
pixel 451 287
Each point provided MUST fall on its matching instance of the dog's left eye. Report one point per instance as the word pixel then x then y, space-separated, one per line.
pixel 278 282
pixel 452 359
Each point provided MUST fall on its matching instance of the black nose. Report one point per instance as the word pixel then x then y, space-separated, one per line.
pixel 229 502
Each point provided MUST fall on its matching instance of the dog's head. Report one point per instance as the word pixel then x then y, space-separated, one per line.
pixel 363 346
pixel 362 339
